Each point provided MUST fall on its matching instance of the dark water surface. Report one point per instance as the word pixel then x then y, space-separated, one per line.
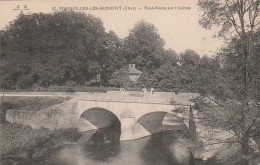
pixel 102 147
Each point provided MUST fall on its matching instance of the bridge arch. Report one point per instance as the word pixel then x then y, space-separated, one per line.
pixel 106 123
pixel 153 121
pixel 100 118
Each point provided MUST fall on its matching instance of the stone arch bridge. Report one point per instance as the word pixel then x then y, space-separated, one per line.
pixel 139 114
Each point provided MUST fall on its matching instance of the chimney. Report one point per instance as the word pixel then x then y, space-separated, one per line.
pixel 132 66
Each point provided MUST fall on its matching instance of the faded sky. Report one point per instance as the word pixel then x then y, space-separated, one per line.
pixel 179 28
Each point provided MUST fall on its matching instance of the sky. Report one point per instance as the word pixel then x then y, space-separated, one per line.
pixel 179 28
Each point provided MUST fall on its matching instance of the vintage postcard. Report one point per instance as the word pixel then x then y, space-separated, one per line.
pixel 136 82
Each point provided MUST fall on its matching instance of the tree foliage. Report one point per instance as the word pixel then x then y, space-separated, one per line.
pixel 52 49
pixel 239 16
pixel 120 78
pixel 235 91
pixel 144 46
pixel 69 48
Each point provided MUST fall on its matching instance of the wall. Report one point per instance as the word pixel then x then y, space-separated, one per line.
pixel 134 77
pixel 139 97
pixel 63 115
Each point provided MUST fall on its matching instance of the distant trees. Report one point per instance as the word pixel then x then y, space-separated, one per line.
pixel 52 49
pixel 70 48
pixel 144 47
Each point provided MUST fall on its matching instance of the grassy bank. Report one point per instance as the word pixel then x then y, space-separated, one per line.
pixel 21 144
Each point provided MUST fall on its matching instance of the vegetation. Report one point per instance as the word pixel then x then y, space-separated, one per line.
pixel 20 143
pixel 230 92
pixel 23 144
pixel 41 52
pixel 55 49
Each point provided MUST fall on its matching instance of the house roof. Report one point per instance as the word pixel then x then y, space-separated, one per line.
pixel 133 70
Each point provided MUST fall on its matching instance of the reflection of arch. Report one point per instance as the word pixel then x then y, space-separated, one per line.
pixel 100 117
pixel 152 121
pixel 161 154
pixel 167 151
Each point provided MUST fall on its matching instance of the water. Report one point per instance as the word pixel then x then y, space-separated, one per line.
pixel 102 147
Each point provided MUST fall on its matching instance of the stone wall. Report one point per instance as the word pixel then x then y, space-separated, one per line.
pixel 63 115
pixel 139 97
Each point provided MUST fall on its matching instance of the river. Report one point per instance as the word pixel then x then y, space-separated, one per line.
pixel 103 147
pixel 170 147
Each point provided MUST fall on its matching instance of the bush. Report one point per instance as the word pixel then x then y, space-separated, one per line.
pixel 70 90
pixel 36 88
pixel 71 83
pixel 20 143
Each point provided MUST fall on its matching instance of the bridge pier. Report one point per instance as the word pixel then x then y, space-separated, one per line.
pixel 131 130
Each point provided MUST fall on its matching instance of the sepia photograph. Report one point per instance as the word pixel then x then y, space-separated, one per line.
pixel 129 82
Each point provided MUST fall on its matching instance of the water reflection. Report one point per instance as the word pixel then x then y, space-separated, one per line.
pixel 103 136
pixel 103 144
pixel 96 139
pixel 103 147
pixel 155 152
pixel 162 149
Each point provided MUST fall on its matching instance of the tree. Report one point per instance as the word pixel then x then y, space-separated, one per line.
pixel 144 47
pixel 170 56
pixel 112 58
pixel 188 61
pixel 238 20
pixel 52 49
pixel 165 77
pixel 120 78
pixel 168 78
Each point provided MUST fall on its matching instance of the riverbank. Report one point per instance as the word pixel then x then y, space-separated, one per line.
pixel 18 143
pixel 23 144
pixel 215 143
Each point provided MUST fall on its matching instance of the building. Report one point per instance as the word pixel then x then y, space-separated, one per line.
pixel 134 74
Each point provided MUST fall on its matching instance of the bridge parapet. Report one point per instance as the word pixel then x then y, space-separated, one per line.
pixel 140 97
